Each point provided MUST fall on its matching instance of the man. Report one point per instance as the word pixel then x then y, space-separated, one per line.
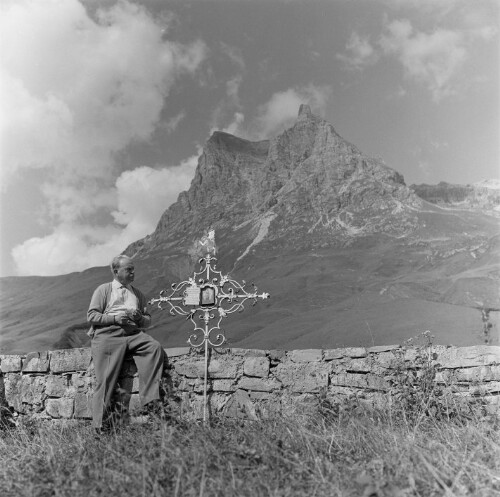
pixel 118 315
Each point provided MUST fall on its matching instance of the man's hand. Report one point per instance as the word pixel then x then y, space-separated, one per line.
pixel 128 317
pixel 122 319
pixel 134 315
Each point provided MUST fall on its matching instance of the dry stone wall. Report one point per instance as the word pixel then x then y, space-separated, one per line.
pixel 243 382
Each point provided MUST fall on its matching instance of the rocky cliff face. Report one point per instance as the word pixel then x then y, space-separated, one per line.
pixel 483 196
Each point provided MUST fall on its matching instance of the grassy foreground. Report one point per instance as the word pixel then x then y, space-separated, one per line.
pixel 353 451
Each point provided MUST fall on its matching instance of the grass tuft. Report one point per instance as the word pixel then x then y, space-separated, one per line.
pixel 357 451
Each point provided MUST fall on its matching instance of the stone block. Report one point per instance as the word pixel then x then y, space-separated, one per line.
pixel 387 360
pixel 11 363
pixel 305 377
pixel 32 389
pixel 367 364
pixel 248 352
pixel 260 396
pixel 199 385
pixel 477 374
pixel 177 351
pixel 25 393
pixel 256 366
pixel 259 384
pixel 377 349
pixel 83 405
pixel 352 352
pixel 135 403
pixel 461 357
pixel 362 365
pixel 276 355
pixel 240 406
pixel 445 376
pixel 221 367
pixel 190 369
pixel 185 384
pixel 486 388
pixel 59 408
pixel 334 391
pixel 12 384
pixel 36 362
pixel 363 381
pixel 306 355
pixel 82 383
pixel 331 354
pixel 58 386
pixel 69 360
pixel 223 386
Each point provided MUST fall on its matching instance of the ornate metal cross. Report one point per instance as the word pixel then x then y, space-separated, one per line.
pixel 208 296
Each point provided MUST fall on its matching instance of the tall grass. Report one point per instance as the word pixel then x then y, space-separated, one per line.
pixel 347 451
pixel 425 442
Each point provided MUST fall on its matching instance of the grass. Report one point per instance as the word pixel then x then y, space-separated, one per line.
pixel 348 450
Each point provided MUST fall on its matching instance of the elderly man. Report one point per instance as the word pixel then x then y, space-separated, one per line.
pixel 118 315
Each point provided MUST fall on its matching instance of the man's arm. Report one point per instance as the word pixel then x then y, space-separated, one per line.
pixel 95 314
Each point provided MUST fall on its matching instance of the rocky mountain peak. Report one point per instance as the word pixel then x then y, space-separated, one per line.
pixel 305 112
pixel 308 178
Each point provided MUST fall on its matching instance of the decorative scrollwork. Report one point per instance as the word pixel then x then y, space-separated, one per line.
pixel 229 296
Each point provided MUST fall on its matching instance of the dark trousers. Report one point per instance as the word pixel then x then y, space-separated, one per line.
pixel 108 353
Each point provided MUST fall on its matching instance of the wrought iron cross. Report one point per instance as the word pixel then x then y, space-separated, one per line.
pixel 209 296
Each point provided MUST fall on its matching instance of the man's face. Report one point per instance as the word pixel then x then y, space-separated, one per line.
pixel 125 273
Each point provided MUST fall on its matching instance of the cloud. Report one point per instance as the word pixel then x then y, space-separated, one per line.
pixel 282 108
pixel 75 247
pixel 171 124
pixel 160 187
pixel 76 91
pixel 360 52
pixel 433 59
pixel 235 127
pixel 234 55
pixel 272 117
pixel 229 108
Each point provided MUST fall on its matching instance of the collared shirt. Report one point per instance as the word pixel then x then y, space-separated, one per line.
pixel 103 308
pixel 122 298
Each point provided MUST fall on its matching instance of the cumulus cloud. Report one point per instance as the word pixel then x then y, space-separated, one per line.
pixel 160 187
pixel 360 52
pixel 432 59
pixel 272 117
pixel 76 91
pixel 229 108
pixel 141 196
pixel 171 124
pixel 235 127
pixel 281 110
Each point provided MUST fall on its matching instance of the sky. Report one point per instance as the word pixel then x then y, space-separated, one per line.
pixel 106 104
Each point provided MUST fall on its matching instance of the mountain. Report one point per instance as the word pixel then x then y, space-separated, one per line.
pixel 483 196
pixel 350 254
